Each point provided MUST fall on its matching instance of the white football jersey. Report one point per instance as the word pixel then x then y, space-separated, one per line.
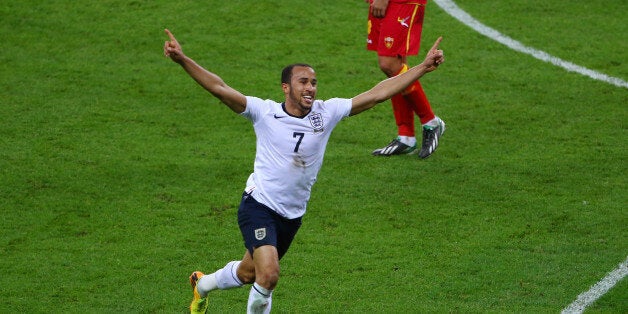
pixel 289 151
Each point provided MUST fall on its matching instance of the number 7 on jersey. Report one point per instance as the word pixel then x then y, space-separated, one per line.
pixel 300 135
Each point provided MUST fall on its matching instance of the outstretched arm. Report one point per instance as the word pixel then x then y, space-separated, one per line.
pixel 210 81
pixel 385 89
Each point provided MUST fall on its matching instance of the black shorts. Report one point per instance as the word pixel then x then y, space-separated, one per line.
pixel 261 225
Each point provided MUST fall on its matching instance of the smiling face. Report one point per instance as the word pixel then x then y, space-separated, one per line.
pixel 300 91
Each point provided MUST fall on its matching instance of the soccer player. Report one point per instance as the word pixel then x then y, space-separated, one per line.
pixel 291 141
pixel 394 31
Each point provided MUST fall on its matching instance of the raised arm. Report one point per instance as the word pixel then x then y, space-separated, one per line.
pixel 385 89
pixel 210 81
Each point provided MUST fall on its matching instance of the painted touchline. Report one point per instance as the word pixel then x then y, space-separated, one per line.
pixel 587 298
pixel 452 9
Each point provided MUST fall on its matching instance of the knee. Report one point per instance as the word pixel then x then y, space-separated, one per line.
pixel 390 66
pixel 268 277
pixel 246 274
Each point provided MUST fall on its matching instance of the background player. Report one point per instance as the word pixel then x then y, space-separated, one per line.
pixel 394 31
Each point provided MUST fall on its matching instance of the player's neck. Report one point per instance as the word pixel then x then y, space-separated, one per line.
pixel 295 110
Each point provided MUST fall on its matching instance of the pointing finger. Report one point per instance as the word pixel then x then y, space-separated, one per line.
pixel 170 35
pixel 435 46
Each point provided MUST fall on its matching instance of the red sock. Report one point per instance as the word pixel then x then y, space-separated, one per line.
pixel 416 99
pixel 404 116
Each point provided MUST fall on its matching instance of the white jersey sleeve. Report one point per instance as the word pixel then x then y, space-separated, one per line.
pixel 290 151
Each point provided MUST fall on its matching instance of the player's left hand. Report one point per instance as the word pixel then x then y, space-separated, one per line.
pixel 434 57
pixel 172 49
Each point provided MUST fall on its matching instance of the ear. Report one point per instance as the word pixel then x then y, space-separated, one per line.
pixel 285 87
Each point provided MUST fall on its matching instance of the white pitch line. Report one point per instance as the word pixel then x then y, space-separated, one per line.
pixel 602 287
pixel 599 289
pixel 452 9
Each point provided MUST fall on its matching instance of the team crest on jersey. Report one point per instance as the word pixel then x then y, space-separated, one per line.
pixel 388 42
pixel 317 122
pixel 260 233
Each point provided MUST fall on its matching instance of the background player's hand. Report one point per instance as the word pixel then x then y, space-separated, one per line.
pixel 172 49
pixel 378 7
pixel 434 57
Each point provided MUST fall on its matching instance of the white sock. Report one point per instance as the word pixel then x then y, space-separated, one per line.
pixel 206 284
pixel 408 140
pixel 227 277
pixel 432 123
pixel 260 300
pixel 224 278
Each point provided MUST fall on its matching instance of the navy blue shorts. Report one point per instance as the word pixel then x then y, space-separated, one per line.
pixel 261 225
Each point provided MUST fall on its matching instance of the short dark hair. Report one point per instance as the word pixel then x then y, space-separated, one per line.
pixel 286 73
